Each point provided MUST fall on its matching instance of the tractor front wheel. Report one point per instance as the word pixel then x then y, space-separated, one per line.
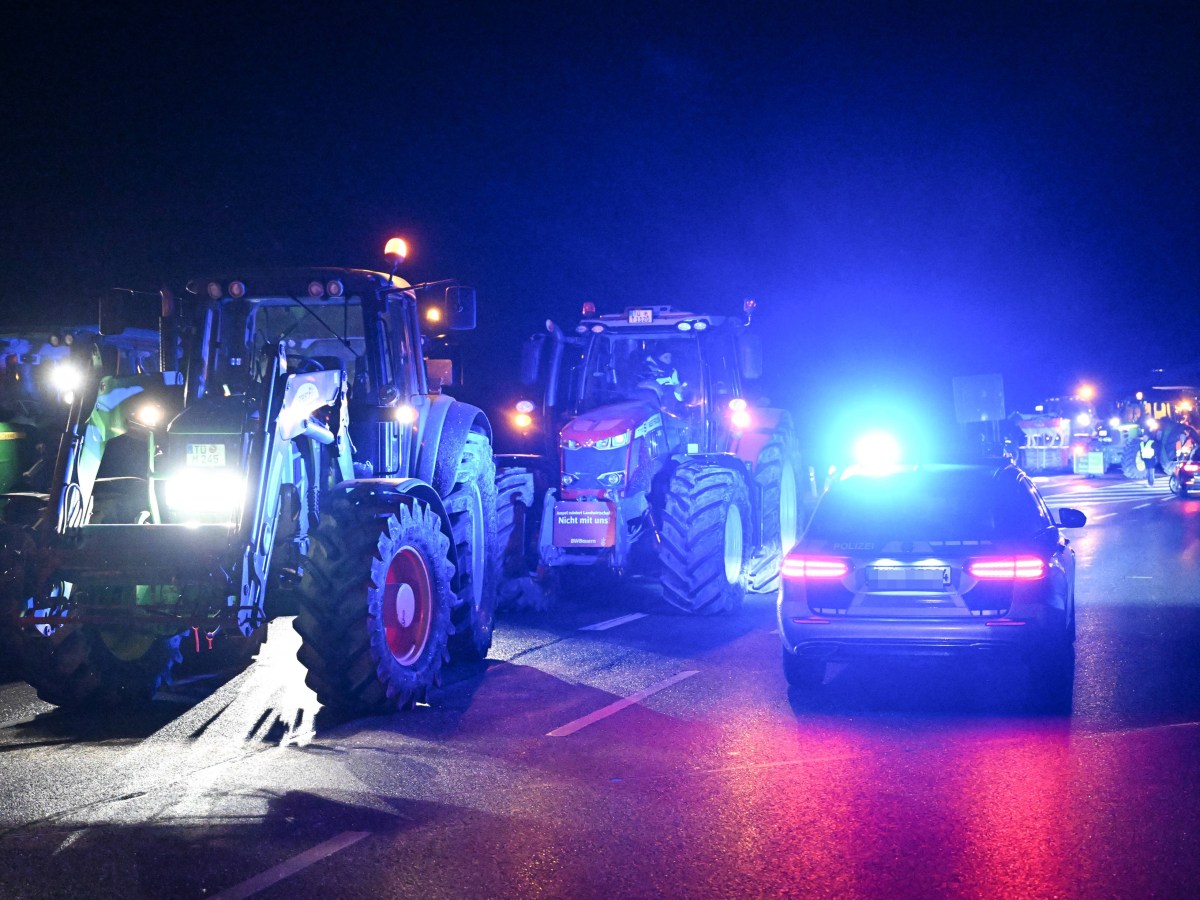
pixel 375 605
pixel 75 665
pixel 705 539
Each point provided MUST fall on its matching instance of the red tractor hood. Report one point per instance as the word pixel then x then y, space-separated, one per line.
pixel 607 421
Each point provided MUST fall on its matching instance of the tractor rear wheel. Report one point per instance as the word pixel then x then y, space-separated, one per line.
pixel 471 507
pixel 775 474
pixel 705 539
pixel 375 605
pixel 514 499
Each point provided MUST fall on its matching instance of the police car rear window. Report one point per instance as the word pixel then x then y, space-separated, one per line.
pixel 928 505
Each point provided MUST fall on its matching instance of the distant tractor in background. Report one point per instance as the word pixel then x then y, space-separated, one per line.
pixel 653 460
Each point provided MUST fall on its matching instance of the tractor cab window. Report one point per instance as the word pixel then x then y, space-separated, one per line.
pixel 617 368
pixel 324 337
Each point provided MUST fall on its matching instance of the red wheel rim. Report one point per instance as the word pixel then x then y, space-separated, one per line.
pixel 407 606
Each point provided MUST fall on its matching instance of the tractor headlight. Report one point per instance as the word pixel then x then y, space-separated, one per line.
pixel 612 479
pixel 66 377
pixel 615 442
pixel 568 479
pixel 205 496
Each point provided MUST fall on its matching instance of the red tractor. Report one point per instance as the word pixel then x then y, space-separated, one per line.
pixel 653 458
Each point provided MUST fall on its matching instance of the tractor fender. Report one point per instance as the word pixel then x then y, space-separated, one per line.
pixel 767 424
pixel 394 492
pixel 443 435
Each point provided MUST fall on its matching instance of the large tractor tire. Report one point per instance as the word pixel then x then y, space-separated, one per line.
pixel 775 474
pixel 471 507
pixel 514 500
pixel 705 539
pixel 375 605
pixel 1132 466
pixel 81 666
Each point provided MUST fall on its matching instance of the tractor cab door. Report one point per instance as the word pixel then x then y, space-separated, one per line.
pixel 721 385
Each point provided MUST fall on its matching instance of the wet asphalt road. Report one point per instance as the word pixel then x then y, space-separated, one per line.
pixel 658 756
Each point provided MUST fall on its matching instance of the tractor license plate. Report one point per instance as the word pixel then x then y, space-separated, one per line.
pixel 205 456
pixel 641 317
pixel 584 524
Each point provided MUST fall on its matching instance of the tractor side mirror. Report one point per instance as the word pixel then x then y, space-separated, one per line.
pixel 453 311
pixel 750 356
pixel 460 307
pixel 112 312
pixel 531 359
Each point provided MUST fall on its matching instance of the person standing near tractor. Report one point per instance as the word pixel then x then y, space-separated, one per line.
pixel 1148 455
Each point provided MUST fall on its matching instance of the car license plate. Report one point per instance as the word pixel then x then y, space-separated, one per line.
pixel 205 456
pixel 584 524
pixel 908 578
pixel 641 317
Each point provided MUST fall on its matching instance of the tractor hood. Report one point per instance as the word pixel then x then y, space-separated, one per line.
pixel 608 422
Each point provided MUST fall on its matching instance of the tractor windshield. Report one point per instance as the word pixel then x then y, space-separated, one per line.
pixel 662 369
pixel 309 330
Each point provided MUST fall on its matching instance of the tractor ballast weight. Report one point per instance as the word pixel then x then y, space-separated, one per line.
pixel 656 460
pixel 297 462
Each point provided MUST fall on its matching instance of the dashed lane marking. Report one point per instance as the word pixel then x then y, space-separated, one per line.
pixel 618 705
pixel 613 623
pixel 1141 506
pixel 290 867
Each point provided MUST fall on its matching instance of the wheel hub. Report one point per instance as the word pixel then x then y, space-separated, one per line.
pixel 407 606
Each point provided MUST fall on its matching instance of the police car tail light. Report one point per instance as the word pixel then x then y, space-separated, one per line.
pixel 815 567
pixel 1011 568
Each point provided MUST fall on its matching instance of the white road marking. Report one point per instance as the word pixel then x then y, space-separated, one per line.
pixel 1141 577
pixel 613 623
pixel 618 705
pixel 1141 506
pixel 1099 517
pixel 290 867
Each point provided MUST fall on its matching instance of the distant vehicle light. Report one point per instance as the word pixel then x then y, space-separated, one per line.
pixel 406 414
pixel 237 289
pixel 1114 422
pixel 1152 424
pixel 1184 406
pixel 396 248
pixel 1083 420
pixel 1086 392
pixel 814 567
pixel 1018 568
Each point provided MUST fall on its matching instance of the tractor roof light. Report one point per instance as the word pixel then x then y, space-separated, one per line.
pixel 396 249
pixel 433 315
pixel 334 287
pixel 524 406
pixel 684 326
pixel 237 289
pixel 316 290
pixel 701 325
pixel 215 291
pixel 589 309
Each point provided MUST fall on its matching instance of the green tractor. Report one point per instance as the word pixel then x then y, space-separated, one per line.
pixel 291 457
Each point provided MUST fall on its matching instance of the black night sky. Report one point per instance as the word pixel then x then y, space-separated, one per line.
pixel 910 191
